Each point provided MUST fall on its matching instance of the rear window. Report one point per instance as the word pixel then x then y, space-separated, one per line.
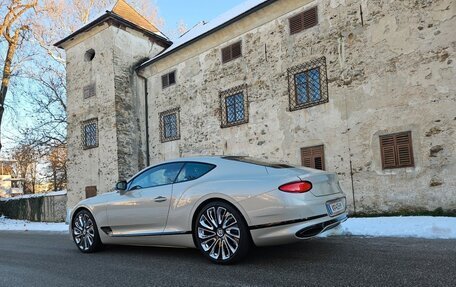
pixel 193 170
pixel 255 161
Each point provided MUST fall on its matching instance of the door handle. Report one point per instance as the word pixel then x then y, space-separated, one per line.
pixel 160 199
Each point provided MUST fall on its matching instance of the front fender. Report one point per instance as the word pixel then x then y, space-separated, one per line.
pixel 96 206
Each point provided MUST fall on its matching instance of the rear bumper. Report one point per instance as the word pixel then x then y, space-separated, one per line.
pixel 289 232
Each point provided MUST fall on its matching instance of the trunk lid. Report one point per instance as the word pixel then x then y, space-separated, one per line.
pixel 324 183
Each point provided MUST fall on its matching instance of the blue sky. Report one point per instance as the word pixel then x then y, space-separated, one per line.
pixel 191 11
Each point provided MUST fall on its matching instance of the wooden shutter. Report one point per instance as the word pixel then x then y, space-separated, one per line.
pixel 388 151
pixel 236 50
pixel 89 91
pixel 313 157
pixel 310 18
pixel 171 78
pixel 165 81
pixel 232 52
pixel 404 149
pixel 396 150
pixel 296 24
pixel 226 54
pixel 90 191
pixel 304 20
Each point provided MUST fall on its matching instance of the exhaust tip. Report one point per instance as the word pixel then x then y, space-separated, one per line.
pixel 316 229
pixel 310 231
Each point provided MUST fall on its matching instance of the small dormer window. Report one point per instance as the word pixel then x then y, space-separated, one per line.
pixel 168 79
pixel 304 20
pixel 232 52
pixel 89 55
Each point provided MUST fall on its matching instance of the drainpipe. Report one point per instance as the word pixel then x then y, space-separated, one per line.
pixel 146 115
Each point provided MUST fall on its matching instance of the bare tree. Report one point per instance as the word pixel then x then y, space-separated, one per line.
pixel 43 96
pixel 26 157
pixel 57 169
pixel 48 100
pixel 52 27
pixel 182 28
pixel 12 30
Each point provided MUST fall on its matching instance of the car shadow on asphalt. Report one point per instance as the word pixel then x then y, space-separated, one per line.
pixel 318 249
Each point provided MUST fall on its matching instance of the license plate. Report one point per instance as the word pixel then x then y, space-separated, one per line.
pixel 335 207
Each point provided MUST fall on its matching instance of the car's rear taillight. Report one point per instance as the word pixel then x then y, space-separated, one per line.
pixel 296 187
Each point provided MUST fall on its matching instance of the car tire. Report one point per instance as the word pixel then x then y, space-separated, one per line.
pixel 85 232
pixel 221 234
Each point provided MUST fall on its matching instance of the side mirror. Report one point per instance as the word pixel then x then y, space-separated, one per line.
pixel 121 186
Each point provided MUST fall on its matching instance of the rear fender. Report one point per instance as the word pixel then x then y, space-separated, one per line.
pixel 223 197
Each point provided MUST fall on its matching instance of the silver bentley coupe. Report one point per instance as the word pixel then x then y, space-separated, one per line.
pixel 221 205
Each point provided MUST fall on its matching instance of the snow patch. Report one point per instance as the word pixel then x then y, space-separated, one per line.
pixel 24 225
pixel 398 226
pixel 408 226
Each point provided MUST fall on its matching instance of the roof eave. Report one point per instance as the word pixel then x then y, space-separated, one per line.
pixel 111 15
pixel 227 23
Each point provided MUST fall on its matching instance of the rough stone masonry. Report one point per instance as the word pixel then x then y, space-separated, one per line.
pixel 390 69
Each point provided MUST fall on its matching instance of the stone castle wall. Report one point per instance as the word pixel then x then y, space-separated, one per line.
pixel 119 153
pixel 390 68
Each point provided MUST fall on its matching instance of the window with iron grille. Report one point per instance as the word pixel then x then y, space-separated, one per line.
pixel 234 106
pixel 90 134
pixel 168 79
pixel 313 157
pixel 232 52
pixel 308 84
pixel 304 20
pixel 396 150
pixel 89 91
pixel 169 125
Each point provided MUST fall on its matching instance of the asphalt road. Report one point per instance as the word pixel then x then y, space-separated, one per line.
pixel 44 259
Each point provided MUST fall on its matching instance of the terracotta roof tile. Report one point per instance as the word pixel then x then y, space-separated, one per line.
pixel 124 10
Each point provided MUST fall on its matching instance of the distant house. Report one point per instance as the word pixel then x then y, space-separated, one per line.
pixel 10 186
pixel 365 89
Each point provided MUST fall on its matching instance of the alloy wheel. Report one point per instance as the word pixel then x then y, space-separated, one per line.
pixel 219 233
pixel 83 231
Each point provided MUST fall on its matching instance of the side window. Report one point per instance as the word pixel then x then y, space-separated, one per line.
pixel 194 170
pixel 159 175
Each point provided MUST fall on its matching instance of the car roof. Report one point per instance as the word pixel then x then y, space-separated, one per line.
pixel 208 159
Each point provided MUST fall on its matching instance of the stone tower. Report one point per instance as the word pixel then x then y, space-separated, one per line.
pixel 104 138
